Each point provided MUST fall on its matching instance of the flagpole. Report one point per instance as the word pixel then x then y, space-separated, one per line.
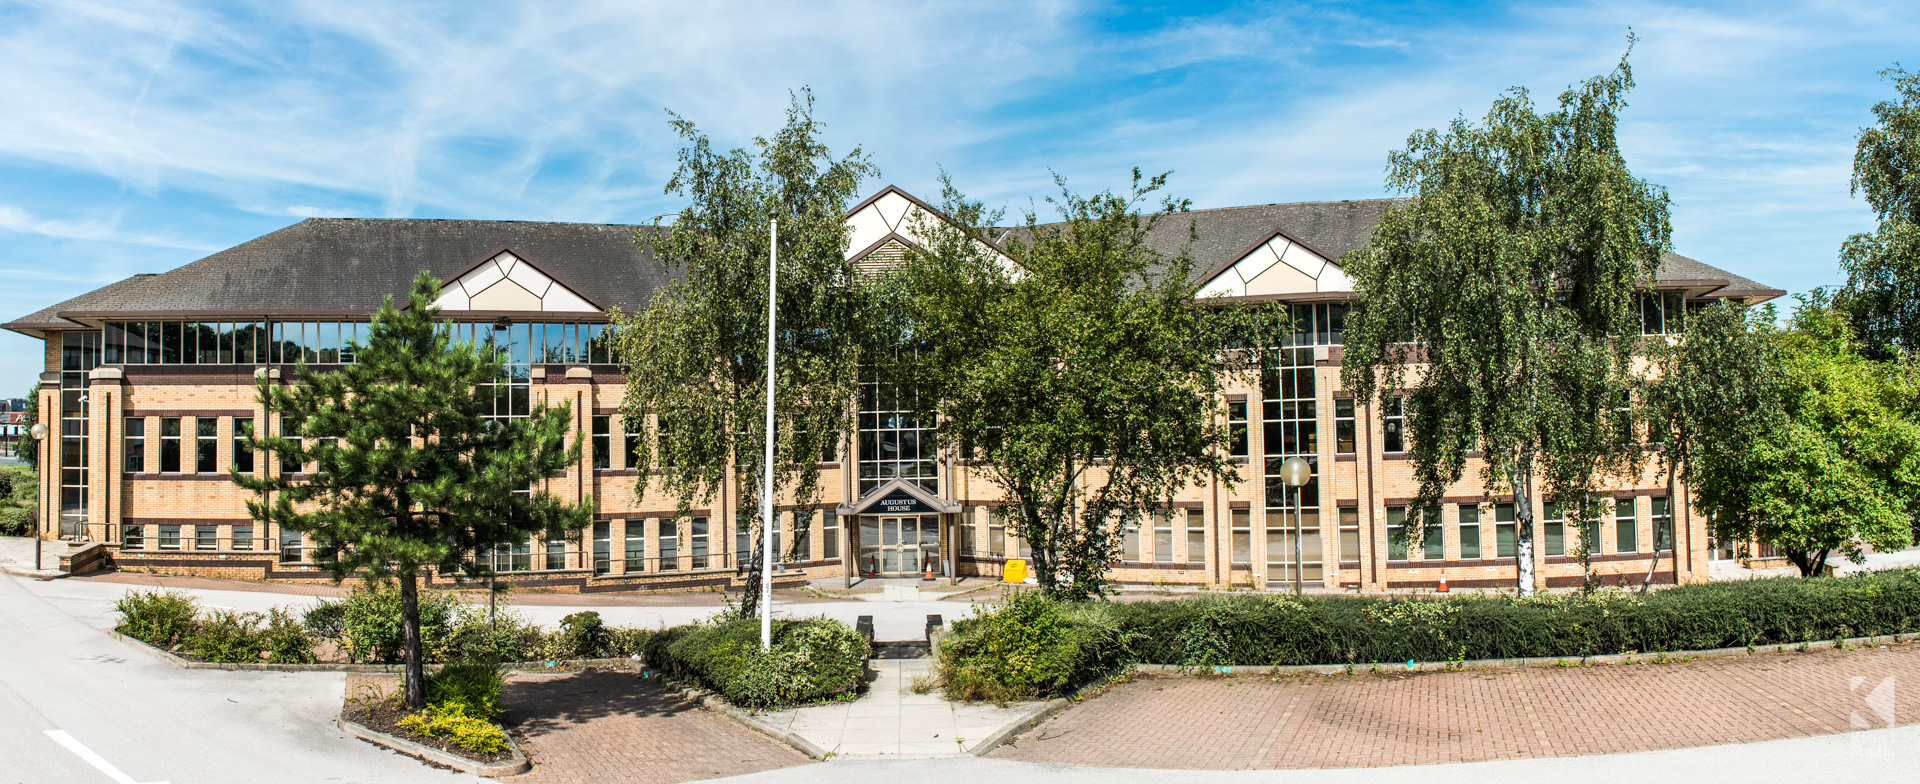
pixel 766 486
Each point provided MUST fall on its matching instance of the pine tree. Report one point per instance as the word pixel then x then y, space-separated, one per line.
pixel 408 469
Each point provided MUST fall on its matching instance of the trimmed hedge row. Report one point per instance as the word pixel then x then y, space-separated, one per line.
pixel 812 660
pixel 1097 637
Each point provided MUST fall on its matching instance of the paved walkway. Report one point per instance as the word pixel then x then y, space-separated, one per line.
pixel 1313 721
pixel 16 555
pixel 891 719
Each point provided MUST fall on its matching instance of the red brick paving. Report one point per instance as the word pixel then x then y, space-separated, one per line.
pixel 603 725
pixel 1312 721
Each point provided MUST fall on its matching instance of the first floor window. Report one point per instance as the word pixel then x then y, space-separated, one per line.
pixel 602 442
pixel 1554 532
pixel 602 546
pixel 632 433
pixel 206 537
pixel 1130 536
pixel 169 537
pixel 1626 529
pixel 242 453
pixel 1242 536
pixel 1237 428
pixel 243 537
pixel 206 445
pixel 1469 532
pixel 1196 536
pixel 1503 531
pixel 669 545
pixel 556 553
pixel 1162 537
pixel 1662 524
pixel 1396 533
pixel 1350 534
pixel 697 541
pixel 636 553
pixel 830 535
pixel 136 447
pixel 170 445
pixel 996 533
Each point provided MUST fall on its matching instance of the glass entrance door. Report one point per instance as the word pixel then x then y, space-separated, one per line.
pixel 907 544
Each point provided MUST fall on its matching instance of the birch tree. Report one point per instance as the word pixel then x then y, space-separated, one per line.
pixel 1500 298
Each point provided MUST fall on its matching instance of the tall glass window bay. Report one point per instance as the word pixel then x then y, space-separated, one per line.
pixel 168 342
pixel 1291 428
pixel 893 443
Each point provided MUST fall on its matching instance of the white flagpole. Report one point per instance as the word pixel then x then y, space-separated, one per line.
pixel 766 487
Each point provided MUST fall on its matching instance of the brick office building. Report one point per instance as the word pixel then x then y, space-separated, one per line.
pixel 148 385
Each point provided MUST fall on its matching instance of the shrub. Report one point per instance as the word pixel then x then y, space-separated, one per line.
pixel 450 719
pixel 16 521
pixel 626 641
pixel 161 618
pixel 286 641
pixel 367 626
pixel 811 661
pixel 582 635
pixel 227 636
pixel 508 638
pixel 476 687
pixel 1031 647
pixel 1026 648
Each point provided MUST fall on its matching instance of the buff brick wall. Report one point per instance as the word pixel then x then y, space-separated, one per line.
pixel 1368 483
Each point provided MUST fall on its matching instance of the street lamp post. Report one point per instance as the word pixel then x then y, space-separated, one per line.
pixel 1295 473
pixel 39 433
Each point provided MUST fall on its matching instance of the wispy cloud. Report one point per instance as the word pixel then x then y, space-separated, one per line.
pixel 143 133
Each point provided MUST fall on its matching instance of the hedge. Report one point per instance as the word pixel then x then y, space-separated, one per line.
pixel 812 660
pixel 1277 629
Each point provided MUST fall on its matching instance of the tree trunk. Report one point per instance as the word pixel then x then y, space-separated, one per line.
pixel 1522 534
pixel 410 629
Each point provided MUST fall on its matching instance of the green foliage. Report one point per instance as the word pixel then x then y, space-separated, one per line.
pixel 1841 467
pixel 1029 647
pixel 451 720
pixel 1064 346
pixel 1882 294
pixel 29 448
pixel 285 639
pixel 583 635
pixel 475 687
pixel 368 624
pixel 1061 647
pixel 410 469
pixel 161 618
pixel 508 638
pixel 1510 277
pixel 811 661
pixel 695 359
pixel 227 636
pixel 19 496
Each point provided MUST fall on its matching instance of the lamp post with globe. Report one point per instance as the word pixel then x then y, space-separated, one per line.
pixel 39 434
pixel 1295 473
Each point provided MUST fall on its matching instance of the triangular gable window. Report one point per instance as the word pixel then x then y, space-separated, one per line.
pixel 510 283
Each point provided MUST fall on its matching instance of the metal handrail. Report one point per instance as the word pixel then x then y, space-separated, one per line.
pixel 188 543
pixel 685 562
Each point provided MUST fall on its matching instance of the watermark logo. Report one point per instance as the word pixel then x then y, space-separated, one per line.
pixel 1879 700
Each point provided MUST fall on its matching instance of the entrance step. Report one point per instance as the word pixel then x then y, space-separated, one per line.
pixel 902 649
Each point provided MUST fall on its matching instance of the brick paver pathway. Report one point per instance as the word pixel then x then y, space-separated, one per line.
pixel 1314 721
pixel 602 725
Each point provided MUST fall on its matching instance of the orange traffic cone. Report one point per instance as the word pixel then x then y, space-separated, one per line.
pixel 1443 581
pixel 873 567
pixel 929 575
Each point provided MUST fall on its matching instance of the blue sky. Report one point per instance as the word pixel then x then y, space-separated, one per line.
pixel 140 136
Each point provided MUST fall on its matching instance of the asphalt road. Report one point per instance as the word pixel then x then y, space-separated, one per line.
pixel 148 721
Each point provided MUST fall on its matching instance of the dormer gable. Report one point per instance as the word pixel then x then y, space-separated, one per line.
pixel 1279 264
pixel 504 281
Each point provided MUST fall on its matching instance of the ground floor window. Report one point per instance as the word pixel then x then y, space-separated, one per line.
pixel 1626 528
pixel 1242 536
pixel 1469 532
pixel 1284 532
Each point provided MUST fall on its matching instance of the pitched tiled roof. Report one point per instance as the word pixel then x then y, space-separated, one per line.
pixel 348 265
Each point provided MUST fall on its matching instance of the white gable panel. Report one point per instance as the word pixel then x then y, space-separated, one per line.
pixel 559 299
pixel 484 276
pixel 531 279
pixel 1281 279
pixel 1306 261
pixel 1257 261
pixel 1225 285
pixel 864 228
pixel 505 295
pixel 1334 279
pixel 892 208
pixel 453 298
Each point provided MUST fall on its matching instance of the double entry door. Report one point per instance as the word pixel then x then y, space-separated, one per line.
pixel 902 545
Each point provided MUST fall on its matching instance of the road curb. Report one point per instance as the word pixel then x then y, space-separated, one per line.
pixel 523 668
pixel 1652 657
pixel 1033 716
pixel 513 766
